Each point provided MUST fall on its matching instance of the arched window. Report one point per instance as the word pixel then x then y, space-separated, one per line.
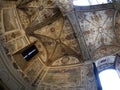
pixel 109 79
pixel 107 73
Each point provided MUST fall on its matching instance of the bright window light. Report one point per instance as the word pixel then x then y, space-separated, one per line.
pixel 88 2
pixel 109 80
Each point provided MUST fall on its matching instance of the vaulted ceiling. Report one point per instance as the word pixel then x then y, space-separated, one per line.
pixel 66 36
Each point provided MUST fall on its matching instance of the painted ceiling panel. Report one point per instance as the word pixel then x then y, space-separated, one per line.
pixel 53 31
pixel 66 60
pixel 59 41
pixel 32 73
pixel 117 25
pixel 98 30
pixel 48 43
pixel 43 20
pixel 105 50
pixel 59 62
pixel 11 35
pixel 42 51
pixel 23 19
pixel 36 11
pixel 69 38
pixel 71 77
pixel 10 20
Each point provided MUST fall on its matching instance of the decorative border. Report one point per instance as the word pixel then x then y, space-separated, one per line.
pixel 94 7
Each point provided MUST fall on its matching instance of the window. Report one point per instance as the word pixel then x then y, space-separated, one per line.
pixel 29 52
pixel 88 2
pixel 109 80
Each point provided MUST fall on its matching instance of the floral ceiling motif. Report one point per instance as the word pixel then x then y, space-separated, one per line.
pixel 59 41
pixel 98 30
pixel 36 11
pixel 45 17
pixel 59 62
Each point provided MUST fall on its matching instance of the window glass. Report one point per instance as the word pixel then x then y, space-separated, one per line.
pixel 109 80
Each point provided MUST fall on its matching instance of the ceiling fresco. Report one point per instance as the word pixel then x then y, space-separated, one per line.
pixel 59 65
pixel 42 23
pixel 117 24
pixel 98 31
pixel 36 11
pixel 59 43
pixel 59 40
pixel 69 78
pixel 9 20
